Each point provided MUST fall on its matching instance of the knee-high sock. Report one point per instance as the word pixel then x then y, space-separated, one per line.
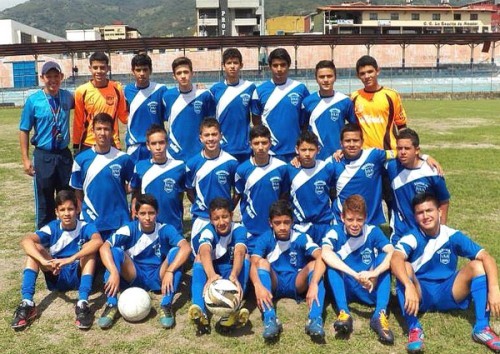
pixel 28 284
pixel 167 299
pixel 479 291
pixel 265 279
pixel 85 286
pixel 118 258
pixel 316 309
pixel 411 321
pixel 244 275
pixel 337 287
pixel 383 292
pixel 197 283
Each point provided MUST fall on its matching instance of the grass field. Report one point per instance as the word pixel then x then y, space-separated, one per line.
pixel 463 135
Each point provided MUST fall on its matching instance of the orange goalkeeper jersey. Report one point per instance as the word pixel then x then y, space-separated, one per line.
pixel 89 101
pixel 379 113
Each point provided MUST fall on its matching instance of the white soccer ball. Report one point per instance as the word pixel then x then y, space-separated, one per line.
pixel 222 297
pixel 134 304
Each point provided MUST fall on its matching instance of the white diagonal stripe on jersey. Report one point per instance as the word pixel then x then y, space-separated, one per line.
pixel 122 231
pixel 351 169
pixel 409 240
pixel 433 245
pixel 322 106
pixel 281 247
pixel 157 170
pixel 407 176
pixel 144 242
pixel 221 246
pixel 66 238
pixel 229 94
pixel 354 243
pixel 138 100
pixel 98 164
pixel 259 172
pixel 299 180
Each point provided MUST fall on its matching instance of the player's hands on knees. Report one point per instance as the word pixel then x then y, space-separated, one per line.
pixel 312 294
pixel 167 283
pixel 113 284
pixel 494 301
pixel 412 300
pixel 264 297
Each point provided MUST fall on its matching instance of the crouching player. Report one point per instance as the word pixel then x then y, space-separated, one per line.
pixel 425 264
pixel 146 254
pixel 64 250
pixel 282 267
pixel 220 252
pixel 359 256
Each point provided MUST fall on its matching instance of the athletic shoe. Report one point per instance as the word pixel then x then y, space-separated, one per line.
pixel 343 324
pixel 272 329
pixel 380 325
pixel 24 315
pixel 108 316
pixel 83 316
pixel 314 327
pixel 167 319
pixel 200 319
pixel 237 319
pixel 488 338
pixel 415 341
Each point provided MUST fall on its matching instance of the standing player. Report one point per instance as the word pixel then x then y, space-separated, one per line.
pixel 185 108
pixel 47 111
pixel 232 98
pixel 287 263
pixel 64 250
pixel 277 104
pixel 145 106
pixel 99 95
pixel 359 256
pixel 99 176
pixel 425 265
pixel 162 177
pixel 220 253
pixel 327 110
pixel 146 254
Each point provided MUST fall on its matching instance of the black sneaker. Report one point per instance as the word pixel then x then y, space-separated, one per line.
pixel 24 315
pixel 84 317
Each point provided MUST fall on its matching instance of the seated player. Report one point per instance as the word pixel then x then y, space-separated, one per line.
pixel 146 254
pixel 287 263
pixel 64 250
pixel 425 265
pixel 220 252
pixel 358 256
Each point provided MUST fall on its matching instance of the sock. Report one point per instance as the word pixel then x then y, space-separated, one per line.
pixel 167 299
pixel 265 279
pixel 80 303
pixel 337 287
pixel 317 310
pixel 118 257
pixel 383 292
pixel 479 291
pixel 85 286
pixel 28 284
pixel 198 282
pixel 411 321
pixel 244 275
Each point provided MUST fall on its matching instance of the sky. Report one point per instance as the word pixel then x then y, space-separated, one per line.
pixel 4 4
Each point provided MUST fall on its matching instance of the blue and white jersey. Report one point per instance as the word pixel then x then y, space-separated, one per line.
pixel 358 252
pixel 288 256
pixel 233 104
pixel 362 175
pixel 222 245
pixel 436 258
pixel 260 187
pixel 184 113
pixel 63 243
pixel 146 248
pixel 406 184
pixel 327 117
pixel 280 107
pixel 166 183
pixel 102 179
pixel 210 178
pixel 310 192
pixel 145 107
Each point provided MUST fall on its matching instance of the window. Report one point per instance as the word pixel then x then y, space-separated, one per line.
pixel 373 16
pixel 457 17
pixel 474 17
pixel 26 38
pixel 436 17
pixel 415 17
pixel 394 16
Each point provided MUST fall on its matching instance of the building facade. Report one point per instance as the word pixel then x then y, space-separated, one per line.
pixel 13 32
pixel 283 25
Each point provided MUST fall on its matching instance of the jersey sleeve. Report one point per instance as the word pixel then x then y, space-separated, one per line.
pixel 136 180
pixel 170 236
pixel 441 190
pixel 88 230
pixel 255 105
pixel 190 175
pixel 380 240
pixel 121 109
pixel 207 237
pixel 407 244
pixel 128 169
pixel 78 117
pixel 464 246
pixel 330 239
pixel 121 237
pixel 239 182
pixel 304 120
pixel 44 234
pixel 240 236
pixel 27 116
pixel 76 179
pixel 210 102
pixel 399 111
pixel 307 244
pixel 350 116
pixel 261 248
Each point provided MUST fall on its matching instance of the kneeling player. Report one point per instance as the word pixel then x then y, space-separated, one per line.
pixel 64 250
pixel 281 268
pixel 220 252
pixel 425 264
pixel 146 254
pixel 359 256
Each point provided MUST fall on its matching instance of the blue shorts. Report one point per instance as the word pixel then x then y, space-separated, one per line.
pixel 316 231
pixel 67 279
pixel 438 296
pixel 252 240
pixel 285 286
pixel 147 277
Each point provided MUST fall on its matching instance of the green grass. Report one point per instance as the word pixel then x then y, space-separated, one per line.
pixel 462 135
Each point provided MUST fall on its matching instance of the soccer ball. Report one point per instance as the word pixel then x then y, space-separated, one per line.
pixel 134 304
pixel 222 297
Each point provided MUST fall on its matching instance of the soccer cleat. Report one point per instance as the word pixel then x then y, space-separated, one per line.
pixel 415 341
pixel 487 337
pixel 314 328
pixel 24 315
pixel 343 324
pixel 200 319
pixel 167 319
pixel 108 316
pixel 380 325
pixel 237 319
pixel 83 316
pixel 272 329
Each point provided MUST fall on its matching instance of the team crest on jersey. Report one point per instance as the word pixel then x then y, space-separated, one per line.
pixel 115 170
pixel 153 107
pixel 368 168
pixel 293 258
pixel 222 176
pixel 275 182
pixel 319 187
pixel 444 255
pixel 197 105
pixel 334 114
pixel 81 241
pixel 294 98
pixel 157 250
pixel 245 99
pixel 420 187
pixel 168 184
pixel 110 100
pixel 366 256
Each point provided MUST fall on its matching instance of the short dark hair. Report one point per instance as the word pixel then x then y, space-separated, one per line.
pixel 103 118
pixel 155 128
pixel 325 64
pixel 260 131
pixel 142 60
pixel 209 123
pixel 219 203
pixel 145 199
pixel 424 197
pixel 281 54
pixel 409 134
pixel 231 53
pixel 65 195
pixel 279 208
pixel 354 203
pixel 366 60
pixel 99 56
pixel 307 136
pixel 351 128
pixel 182 61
